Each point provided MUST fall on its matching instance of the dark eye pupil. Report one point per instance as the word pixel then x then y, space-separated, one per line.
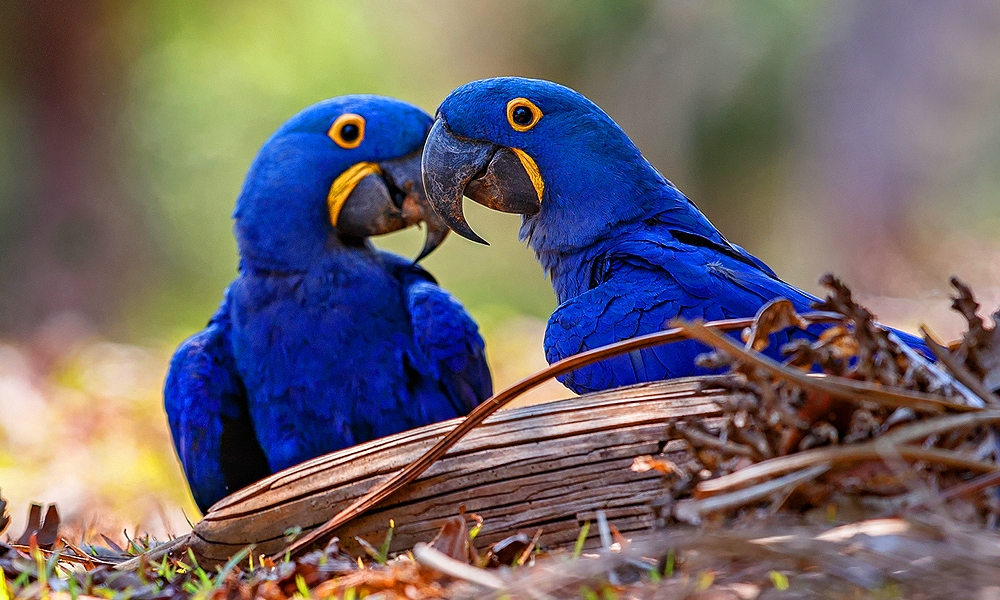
pixel 522 115
pixel 349 132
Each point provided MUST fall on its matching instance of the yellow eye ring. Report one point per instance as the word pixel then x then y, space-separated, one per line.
pixel 348 131
pixel 522 114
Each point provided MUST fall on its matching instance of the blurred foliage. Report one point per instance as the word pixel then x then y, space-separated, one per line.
pixel 81 425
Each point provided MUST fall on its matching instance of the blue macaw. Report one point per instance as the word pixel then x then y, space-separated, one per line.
pixel 626 251
pixel 323 341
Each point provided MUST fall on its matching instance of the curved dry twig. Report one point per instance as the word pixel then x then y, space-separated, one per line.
pixel 692 510
pixel 839 454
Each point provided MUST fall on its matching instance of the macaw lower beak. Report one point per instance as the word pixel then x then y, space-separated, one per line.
pixel 500 178
pixel 377 198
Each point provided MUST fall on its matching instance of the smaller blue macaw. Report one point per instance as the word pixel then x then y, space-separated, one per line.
pixel 323 341
pixel 625 249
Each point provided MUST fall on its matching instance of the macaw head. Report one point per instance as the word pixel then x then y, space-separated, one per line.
pixel 333 175
pixel 539 149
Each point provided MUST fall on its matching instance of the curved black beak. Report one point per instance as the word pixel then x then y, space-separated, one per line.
pixel 388 197
pixel 491 175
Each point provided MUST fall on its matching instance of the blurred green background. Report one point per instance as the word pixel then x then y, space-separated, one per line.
pixel 854 137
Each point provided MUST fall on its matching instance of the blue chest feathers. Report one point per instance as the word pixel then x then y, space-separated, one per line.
pixel 325 357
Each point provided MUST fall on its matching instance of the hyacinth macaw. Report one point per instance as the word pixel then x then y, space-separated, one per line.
pixel 323 341
pixel 626 251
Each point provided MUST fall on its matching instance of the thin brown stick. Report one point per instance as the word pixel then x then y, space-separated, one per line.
pixel 526 554
pixel 691 510
pixel 155 554
pixel 958 370
pixel 902 435
pixel 928 427
pixel 93 559
pixel 849 389
pixel 839 454
pixel 974 485
pixel 937 376
pixel 968 488
pixel 380 492
pixel 429 556
pixel 700 439
pixel 84 559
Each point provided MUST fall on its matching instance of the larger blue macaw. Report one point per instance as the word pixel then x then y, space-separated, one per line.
pixel 625 249
pixel 323 341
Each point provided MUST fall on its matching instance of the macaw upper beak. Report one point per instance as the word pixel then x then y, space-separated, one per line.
pixel 377 198
pixel 500 178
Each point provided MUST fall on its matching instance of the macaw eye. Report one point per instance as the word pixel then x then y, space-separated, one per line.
pixel 348 130
pixel 522 114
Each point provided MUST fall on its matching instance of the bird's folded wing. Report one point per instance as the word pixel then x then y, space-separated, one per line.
pixel 450 343
pixel 206 407
pixel 638 288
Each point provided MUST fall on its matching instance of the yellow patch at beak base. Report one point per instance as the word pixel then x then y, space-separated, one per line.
pixel 345 183
pixel 532 169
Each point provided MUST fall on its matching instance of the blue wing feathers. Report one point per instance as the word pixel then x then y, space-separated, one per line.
pixel 644 281
pixel 449 340
pixel 206 409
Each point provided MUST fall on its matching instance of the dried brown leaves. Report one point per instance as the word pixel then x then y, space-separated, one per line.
pixel 979 348
pixel 863 432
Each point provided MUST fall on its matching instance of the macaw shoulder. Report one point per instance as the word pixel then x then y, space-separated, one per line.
pixel 446 337
pixel 439 319
pixel 683 222
pixel 441 325
pixel 702 267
